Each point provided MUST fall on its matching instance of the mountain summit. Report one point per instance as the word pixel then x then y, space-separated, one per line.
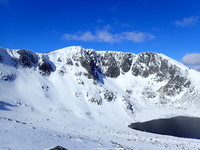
pixel 82 96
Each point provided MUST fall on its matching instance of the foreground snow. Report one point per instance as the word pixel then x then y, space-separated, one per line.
pixel 19 136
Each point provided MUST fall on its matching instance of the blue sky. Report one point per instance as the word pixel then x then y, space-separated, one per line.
pixel 171 27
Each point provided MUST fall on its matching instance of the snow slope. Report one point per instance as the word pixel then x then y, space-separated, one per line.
pixel 85 99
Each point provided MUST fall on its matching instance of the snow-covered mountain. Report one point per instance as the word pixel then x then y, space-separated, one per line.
pixel 85 99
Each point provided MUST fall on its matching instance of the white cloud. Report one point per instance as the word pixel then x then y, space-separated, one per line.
pixel 187 21
pixel 108 37
pixel 136 36
pixel 191 59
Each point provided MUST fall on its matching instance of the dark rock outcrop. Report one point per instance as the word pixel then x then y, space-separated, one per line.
pixel 112 69
pixel 146 64
pixel 109 95
pixel 151 63
pixel 46 66
pixel 176 85
pixel 89 60
pixel 58 148
pixel 126 62
pixel 27 58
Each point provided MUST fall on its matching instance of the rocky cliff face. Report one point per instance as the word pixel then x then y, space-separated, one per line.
pixel 112 64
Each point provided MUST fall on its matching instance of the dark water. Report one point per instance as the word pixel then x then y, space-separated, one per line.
pixel 187 127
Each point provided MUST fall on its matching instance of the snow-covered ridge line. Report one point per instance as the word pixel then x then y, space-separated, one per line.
pixel 79 50
pixel 100 64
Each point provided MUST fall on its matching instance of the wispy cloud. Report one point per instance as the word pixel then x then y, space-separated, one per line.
pixel 108 37
pixel 191 59
pixel 187 21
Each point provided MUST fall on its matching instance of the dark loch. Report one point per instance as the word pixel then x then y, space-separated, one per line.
pixel 186 127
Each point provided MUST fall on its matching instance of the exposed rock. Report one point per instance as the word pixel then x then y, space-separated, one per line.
pixel 129 105
pixel 59 59
pixel 45 87
pixel 58 148
pixel 62 71
pixel 69 62
pixel 146 63
pixel 46 66
pixel 176 85
pixel 95 100
pixel 27 58
pixel 109 95
pixel 126 62
pixel 150 63
pixel 1 58
pixel 89 60
pixel 149 93
pixel 7 77
pixel 111 68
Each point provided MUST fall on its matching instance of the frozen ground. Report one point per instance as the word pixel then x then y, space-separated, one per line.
pixel 17 136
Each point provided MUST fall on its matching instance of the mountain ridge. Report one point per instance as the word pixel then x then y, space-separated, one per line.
pixel 73 89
